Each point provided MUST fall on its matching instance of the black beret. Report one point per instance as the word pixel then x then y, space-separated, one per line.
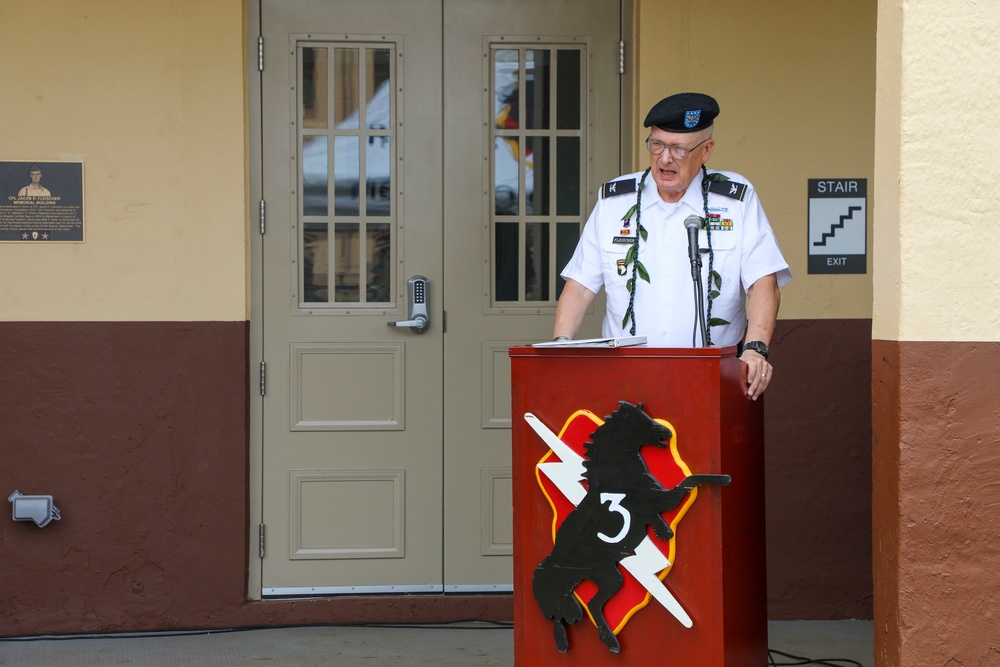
pixel 683 112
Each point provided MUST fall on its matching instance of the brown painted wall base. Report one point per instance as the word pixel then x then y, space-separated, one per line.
pixel 936 513
pixel 140 432
pixel 818 459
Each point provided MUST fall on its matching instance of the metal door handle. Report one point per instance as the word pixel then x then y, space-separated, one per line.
pixel 418 324
pixel 418 288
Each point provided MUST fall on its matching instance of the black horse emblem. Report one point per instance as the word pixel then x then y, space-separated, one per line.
pixel 622 499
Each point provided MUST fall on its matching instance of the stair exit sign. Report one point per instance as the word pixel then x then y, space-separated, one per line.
pixel 838 225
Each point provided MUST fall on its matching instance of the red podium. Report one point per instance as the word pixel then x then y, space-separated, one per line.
pixel 716 571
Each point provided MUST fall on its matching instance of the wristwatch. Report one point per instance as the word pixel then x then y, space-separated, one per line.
pixel 757 346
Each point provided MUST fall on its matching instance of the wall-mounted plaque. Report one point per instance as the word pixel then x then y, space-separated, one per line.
pixel 41 202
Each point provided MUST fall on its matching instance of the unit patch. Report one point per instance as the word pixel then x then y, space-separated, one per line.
pixel 614 540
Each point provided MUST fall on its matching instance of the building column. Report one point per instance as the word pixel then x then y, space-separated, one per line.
pixel 936 327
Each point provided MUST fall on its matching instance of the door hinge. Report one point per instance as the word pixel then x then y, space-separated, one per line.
pixel 263 378
pixel 260 53
pixel 262 223
pixel 260 541
pixel 621 56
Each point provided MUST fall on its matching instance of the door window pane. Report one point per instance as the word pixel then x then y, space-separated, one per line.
pixel 314 87
pixel 536 175
pixel 536 261
pixel 315 175
pixel 506 261
pixel 506 89
pixel 379 192
pixel 347 176
pixel 568 85
pixel 567 236
pixel 507 175
pixel 567 176
pixel 379 250
pixel 537 76
pixel 347 264
pixel 378 89
pixel 346 96
pixel 315 263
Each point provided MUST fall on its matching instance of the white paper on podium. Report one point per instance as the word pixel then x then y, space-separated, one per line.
pixel 595 342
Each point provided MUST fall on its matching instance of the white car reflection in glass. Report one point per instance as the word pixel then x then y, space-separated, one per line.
pixel 378 156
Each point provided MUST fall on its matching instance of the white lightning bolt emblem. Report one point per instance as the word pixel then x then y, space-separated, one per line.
pixel 648 561
pixel 567 473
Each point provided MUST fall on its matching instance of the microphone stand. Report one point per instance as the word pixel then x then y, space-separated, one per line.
pixel 699 301
pixel 693 223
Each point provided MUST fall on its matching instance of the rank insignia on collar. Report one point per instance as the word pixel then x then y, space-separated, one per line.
pixel 612 188
pixel 730 189
pixel 622 267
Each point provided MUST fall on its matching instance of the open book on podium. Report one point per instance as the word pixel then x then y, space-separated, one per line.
pixel 629 341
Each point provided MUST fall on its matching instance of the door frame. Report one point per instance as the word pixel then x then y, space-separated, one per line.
pixel 255 402
pixel 628 129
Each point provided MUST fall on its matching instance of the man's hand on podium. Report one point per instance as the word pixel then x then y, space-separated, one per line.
pixel 759 372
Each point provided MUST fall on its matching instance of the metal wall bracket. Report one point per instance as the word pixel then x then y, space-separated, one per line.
pixel 39 509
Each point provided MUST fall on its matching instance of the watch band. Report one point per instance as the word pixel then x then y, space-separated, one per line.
pixel 757 346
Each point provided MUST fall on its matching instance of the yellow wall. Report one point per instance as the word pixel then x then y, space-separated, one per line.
pixel 150 96
pixel 938 128
pixel 796 84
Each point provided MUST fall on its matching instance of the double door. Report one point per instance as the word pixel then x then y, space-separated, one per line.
pixel 425 168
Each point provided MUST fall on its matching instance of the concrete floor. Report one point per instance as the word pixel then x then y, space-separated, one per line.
pixel 465 645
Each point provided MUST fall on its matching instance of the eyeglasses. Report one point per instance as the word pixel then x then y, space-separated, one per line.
pixel 676 152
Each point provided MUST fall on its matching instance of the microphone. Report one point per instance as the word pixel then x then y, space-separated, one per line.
pixel 693 223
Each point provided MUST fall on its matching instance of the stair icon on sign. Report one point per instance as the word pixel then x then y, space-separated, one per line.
pixel 837 225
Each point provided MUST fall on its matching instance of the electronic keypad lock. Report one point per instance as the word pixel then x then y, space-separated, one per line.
pixel 418 317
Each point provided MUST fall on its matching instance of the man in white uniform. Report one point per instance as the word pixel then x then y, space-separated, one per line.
pixel 635 245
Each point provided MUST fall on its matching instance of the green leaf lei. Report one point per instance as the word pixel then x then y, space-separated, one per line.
pixel 632 256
